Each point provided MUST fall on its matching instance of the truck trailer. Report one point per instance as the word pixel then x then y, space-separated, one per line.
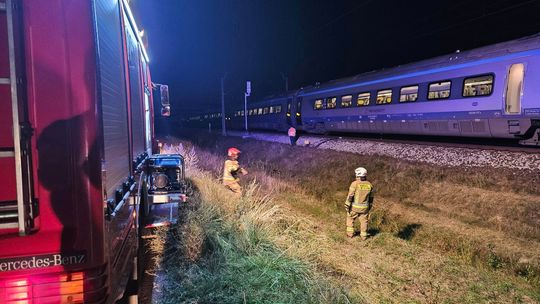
pixel 76 135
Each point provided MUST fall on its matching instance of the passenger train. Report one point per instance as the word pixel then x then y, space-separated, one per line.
pixel 489 92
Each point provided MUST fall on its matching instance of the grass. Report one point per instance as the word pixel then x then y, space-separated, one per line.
pixel 225 250
pixel 438 231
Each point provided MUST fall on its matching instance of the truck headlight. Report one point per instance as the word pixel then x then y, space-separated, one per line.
pixel 160 180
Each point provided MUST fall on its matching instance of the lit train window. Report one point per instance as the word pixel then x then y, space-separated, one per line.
pixel 439 90
pixel 265 110
pixel 363 99
pixel 278 109
pixel 384 96
pixel 271 110
pixel 346 101
pixel 260 111
pixel 250 112
pixel 407 94
pixel 331 102
pixel 242 113
pixel 478 86
pixel 318 105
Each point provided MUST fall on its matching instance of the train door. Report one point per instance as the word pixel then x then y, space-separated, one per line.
pixel 514 89
pixel 17 197
pixel 289 110
pixel 298 115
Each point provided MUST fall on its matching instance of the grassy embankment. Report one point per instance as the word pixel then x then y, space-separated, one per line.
pixel 441 235
pixel 224 250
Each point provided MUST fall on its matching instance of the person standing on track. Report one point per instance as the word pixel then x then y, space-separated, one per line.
pixel 358 203
pixel 292 135
pixel 231 170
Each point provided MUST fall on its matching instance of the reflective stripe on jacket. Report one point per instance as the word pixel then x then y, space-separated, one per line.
pixel 230 170
pixel 361 195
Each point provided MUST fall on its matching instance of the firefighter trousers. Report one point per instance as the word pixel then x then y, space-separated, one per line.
pixel 234 186
pixel 362 216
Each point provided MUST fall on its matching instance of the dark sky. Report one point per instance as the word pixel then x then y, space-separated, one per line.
pixel 193 43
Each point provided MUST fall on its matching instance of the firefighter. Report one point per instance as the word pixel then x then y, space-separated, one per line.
pixel 358 203
pixel 231 171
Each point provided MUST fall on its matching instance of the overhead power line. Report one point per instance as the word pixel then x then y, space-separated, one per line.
pixel 451 26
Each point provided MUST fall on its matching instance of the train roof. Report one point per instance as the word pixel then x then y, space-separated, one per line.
pixel 459 57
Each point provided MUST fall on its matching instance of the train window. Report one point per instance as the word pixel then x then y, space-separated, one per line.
pixel 384 96
pixel 363 99
pixel 346 101
pixel 318 105
pixel 514 89
pixel 478 86
pixel 278 109
pixel 260 111
pixel 250 112
pixel 271 110
pixel 407 94
pixel 265 110
pixel 331 102
pixel 439 90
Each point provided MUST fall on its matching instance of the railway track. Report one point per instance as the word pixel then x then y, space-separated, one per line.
pixel 447 154
pixel 472 144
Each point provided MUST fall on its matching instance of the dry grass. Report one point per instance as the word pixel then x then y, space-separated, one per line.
pixel 225 250
pixel 442 235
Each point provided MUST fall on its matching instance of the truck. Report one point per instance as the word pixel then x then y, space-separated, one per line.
pixel 76 150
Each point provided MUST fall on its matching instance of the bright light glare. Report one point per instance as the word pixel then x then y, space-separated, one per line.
pixel 132 20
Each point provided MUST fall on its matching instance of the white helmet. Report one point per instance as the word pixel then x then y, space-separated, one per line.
pixel 360 172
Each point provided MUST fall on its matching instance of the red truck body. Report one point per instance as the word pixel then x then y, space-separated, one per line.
pixel 75 123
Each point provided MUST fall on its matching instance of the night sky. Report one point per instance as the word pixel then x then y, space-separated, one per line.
pixel 192 44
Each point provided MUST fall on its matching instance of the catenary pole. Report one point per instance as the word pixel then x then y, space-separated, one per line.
pixel 223 130
pixel 245 112
pixel 246 94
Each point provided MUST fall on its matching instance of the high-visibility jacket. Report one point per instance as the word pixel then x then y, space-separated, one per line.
pixel 360 196
pixel 292 132
pixel 230 171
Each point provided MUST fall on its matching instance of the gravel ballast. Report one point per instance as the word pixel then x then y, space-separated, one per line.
pixel 431 154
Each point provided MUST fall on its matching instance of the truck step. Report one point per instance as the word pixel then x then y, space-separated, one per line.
pixel 162 215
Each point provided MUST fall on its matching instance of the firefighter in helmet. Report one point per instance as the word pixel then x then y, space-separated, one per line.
pixel 358 203
pixel 231 171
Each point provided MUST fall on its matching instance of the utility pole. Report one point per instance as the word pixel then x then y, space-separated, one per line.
pixel 286 79
pixel 246 94
pixel 223 130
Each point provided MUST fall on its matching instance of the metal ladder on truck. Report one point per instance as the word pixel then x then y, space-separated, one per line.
pixel 17 209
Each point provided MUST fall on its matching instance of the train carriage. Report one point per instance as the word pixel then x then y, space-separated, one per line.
pixel 489 92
